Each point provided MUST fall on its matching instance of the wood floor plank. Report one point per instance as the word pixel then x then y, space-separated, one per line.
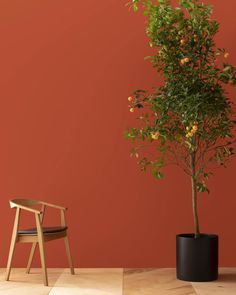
pixel 154 281
pixel 90 282
pixel 225 285
pixel 27 284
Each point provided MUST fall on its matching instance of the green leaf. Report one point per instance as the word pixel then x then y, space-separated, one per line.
pixel 187 4
pixel 157 174
pixel 163 149
pixel 201 187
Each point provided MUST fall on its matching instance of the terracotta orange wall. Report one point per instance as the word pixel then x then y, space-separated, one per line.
pixel 67 67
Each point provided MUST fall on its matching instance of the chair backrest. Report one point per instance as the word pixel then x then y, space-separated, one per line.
pixel 23 202
pixel 27 204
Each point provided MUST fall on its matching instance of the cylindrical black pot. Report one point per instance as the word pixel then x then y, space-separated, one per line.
pixel 197 258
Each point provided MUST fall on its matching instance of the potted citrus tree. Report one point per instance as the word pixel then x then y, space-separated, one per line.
pixel 189 120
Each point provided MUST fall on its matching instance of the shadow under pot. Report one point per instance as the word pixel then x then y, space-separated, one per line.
pixel 197 258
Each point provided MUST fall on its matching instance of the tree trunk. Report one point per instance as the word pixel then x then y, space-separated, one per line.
pixel 194 195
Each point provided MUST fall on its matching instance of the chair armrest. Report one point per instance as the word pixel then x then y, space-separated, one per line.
pixel 53 206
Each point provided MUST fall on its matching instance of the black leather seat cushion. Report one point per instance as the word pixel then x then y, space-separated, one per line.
pixel 46 230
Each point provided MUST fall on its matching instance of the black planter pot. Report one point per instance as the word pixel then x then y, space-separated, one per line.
pixel 197 258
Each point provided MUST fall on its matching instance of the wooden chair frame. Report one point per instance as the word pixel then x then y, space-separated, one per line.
pixel 40 238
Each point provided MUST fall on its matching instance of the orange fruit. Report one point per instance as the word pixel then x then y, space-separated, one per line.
pixel 226 55
pixel 155 135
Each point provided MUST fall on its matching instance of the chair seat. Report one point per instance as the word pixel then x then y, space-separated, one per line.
pixel 46 230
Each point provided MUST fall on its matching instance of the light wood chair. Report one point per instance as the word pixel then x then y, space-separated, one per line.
pixel 37 235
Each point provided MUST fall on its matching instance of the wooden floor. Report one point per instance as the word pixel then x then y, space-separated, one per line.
pixel 115 281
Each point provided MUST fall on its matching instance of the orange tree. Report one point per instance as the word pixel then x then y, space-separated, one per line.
pixel 189 120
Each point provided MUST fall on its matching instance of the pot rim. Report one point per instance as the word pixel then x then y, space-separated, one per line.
pixel 192 236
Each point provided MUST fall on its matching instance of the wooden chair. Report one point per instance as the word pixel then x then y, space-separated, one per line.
pixel 37 235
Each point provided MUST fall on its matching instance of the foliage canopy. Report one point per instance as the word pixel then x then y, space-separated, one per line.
pixel 189 120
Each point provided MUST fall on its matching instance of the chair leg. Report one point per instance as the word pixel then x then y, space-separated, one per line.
pixel 68 253
pixel 31 256
pixel 13 243
pixel 43 263
pixel 10 256
pixel 34 245
pixel 41 250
